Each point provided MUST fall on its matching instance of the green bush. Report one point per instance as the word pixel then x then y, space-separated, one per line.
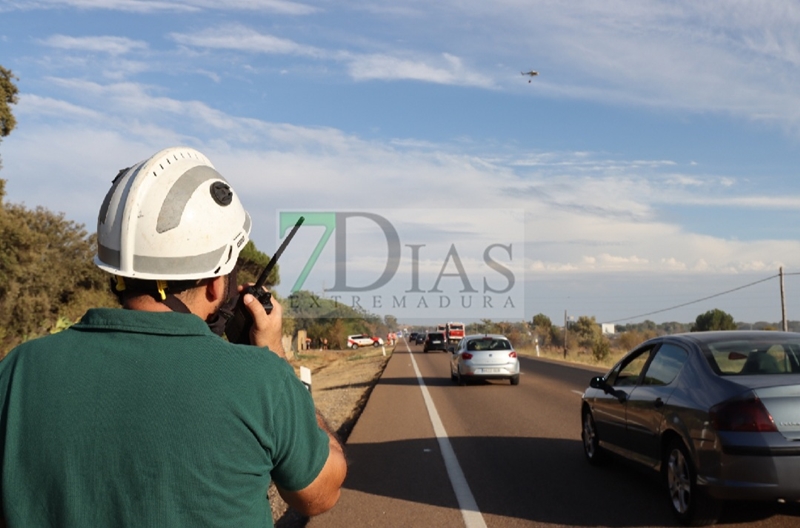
pixel 601 348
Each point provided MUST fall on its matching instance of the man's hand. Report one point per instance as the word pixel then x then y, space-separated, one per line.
pixel 267 327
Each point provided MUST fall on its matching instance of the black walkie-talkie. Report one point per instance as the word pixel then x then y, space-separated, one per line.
pixel 237 328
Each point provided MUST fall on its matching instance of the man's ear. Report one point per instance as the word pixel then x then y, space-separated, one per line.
pixel 215 289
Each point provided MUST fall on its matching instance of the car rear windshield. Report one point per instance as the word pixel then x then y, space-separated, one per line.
pixel 489 344
pixel 435 336
pixel 747 358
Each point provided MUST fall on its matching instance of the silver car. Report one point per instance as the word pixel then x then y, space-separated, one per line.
pixel 717 413
pixel 482 356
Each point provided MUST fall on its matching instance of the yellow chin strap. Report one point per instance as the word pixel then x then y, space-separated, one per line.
pixel 162 288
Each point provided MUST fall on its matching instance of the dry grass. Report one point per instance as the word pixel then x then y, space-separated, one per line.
pixel 583 357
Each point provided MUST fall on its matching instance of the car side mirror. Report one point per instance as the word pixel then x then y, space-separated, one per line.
pixel 599 382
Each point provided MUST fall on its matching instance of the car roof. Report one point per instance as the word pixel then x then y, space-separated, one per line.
pixel 727 335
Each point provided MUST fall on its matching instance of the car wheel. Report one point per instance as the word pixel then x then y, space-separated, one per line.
pixel 425 350
pixel 354 346
pixel 460 379
pixel 515 380
pixel 690 505
pixel 375 344
pixel 591 442
pixel 453 377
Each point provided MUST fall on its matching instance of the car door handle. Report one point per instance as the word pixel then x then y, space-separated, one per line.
pixel 658 403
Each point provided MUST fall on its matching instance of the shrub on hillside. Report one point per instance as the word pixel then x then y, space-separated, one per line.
pixel 46 272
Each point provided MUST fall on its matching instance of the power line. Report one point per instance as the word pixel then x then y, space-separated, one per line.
pixel 699 300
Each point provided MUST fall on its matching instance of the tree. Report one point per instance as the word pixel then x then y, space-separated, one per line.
pixel 252 262
pixel 486 326
pixel 328 319
pixel 628 340
pixel 543 327
pixel 46 272
pixel 601 348
pixel 586 330
pixel 391 322
pixel 714 319
pixel 542 321
pixel 8 96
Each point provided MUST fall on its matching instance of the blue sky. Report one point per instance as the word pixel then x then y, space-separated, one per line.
pixel 654 157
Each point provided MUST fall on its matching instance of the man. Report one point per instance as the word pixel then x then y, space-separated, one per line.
pixel 143 416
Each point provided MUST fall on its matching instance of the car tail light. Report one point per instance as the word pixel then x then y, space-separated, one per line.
pixel 466 355
pixel 512 354
pixel 742 414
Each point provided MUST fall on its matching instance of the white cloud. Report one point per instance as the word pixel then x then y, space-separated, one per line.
pixel 268 6
pixel 156 6
pixel 751 202
pixel 448 69
pixel 241 38
pixel 443 69
pixel 579 216
pixel 106 44
pixel 47 107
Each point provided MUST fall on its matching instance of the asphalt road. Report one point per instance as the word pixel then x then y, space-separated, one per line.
pixel 426 452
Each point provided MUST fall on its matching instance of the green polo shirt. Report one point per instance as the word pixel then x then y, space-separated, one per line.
pixel 144 419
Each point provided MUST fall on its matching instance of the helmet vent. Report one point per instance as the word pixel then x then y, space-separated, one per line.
pixel 221 193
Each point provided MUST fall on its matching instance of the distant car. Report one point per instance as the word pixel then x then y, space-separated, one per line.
pixel 420 339
pixel 434 341
pixel 489 356
pixel 412 337
pixel 717 413
pixel 361 340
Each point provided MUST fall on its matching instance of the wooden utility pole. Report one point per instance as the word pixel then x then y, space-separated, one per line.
pixel 565 334
pixel 783 304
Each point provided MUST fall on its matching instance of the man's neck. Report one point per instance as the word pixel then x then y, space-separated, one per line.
pixel 203 300
pixel 145 303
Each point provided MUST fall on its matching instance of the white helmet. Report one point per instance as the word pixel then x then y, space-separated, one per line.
pixel 171 217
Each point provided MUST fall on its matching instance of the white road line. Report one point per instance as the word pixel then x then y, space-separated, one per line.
pixel 578 392
pixel 466 501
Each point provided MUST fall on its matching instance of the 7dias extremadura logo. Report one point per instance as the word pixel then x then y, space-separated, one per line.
pixel 412 263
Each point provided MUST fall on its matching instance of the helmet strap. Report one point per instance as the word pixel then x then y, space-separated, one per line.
pixel 157 289
pixel 217 321
pixel 175 304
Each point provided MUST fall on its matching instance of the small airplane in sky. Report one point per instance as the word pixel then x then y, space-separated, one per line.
pixel 532 73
